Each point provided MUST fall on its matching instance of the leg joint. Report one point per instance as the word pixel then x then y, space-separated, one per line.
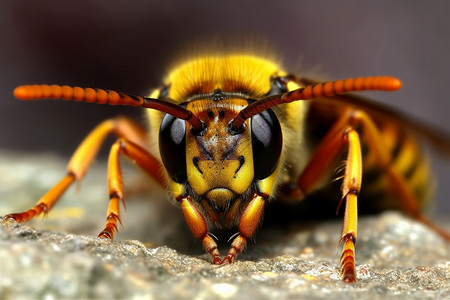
pixel 348 236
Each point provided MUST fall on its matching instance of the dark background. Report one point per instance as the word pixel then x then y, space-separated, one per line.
pixel 128 45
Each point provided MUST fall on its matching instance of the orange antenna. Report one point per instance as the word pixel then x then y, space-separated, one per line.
pixel 34 92
pixel 327 89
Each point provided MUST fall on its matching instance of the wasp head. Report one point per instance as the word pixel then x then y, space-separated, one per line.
pixel 219 165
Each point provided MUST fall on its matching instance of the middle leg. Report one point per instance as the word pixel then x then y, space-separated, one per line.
pixel 143 159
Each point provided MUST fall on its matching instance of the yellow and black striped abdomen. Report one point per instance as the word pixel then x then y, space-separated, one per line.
pixel 407 159
pixel 377 193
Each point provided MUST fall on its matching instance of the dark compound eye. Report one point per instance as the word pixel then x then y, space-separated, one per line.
pixel 267 142
pixel 277 86
pixel 172 146
pixel 164 92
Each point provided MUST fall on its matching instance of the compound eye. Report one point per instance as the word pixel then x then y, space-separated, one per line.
pixel 172 146
pixel 267 142
pixel 277 85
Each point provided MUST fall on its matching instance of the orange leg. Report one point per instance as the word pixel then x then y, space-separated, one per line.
pixel 198 226
pixel 247 225
pixel 46 202
pixel 407 200
pixel 328 152
pixel 142 158
pixel 80 161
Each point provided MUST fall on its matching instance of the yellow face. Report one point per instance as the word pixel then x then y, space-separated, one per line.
pixel 219 164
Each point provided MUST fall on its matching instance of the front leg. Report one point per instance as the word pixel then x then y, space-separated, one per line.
pixel 197 223
pixel 247 225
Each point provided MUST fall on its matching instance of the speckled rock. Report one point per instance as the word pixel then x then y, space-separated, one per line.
pixel 155 256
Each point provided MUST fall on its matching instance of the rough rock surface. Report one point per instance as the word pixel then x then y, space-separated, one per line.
pixel 397 258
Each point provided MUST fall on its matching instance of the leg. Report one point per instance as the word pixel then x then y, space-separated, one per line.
pixel 247 225
pixel 143 159
pixel 407 200
pixel 318 165
pixel 80 161
pixel 198 226
pixel 327 153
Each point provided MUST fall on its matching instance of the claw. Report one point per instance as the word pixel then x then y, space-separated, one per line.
pixel 106 234
pixel 216 260
pixel 29 214
pixel 229 259
pixel 111 227
pixel 18 217
pixel 348 269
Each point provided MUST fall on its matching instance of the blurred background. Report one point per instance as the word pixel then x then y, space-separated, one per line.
pixel 128 46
